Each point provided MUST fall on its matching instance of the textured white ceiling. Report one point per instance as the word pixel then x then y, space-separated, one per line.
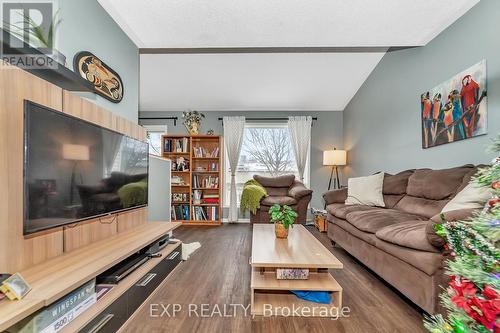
pixel 268 81
pixel 278 23
pixel 265 81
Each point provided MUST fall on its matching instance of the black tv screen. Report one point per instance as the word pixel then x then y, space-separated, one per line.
pixel 75 170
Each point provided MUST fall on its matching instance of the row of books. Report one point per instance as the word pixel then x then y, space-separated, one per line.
pixel 180 145
pixel 180 212
pixel 59 314
pixel 203 181
pixel 206 213
pixel 210 198
pixel 210 167
pixel 213 167
pixel 214 201
pixel 203 152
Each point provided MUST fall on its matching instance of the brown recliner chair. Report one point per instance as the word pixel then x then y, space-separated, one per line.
pixel 283 190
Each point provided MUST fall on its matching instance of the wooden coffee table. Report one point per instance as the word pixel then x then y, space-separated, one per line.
pixel 270 296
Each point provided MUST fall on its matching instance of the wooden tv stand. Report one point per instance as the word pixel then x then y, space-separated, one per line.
pixel 56 277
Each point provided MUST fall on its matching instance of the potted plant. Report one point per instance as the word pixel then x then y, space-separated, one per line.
pixel 41 38
pixel 192 121
pixel 283 218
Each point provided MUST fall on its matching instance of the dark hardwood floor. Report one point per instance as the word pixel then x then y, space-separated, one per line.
pixel 218 275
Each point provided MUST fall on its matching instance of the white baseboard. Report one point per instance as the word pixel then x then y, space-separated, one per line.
pixel 224 220
pixel 247 220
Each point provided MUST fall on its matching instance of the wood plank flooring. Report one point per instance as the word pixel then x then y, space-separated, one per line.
pixel 218 274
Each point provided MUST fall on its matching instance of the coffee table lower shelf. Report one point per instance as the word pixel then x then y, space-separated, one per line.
pixel 272 297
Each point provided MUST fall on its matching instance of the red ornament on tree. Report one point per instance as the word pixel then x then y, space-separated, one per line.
pixel 495 185
pixel 493 202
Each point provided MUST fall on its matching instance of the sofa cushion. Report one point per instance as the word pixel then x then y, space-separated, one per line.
pixel 277 191
pixel 280 200
pixel 335 196
pixel 298 190
pixel 281 181
pixel 471 196
pixel 366 190
pixel 421 206
pixel 341 210
pixel 392 200
pixel 468 176
pixel 411 234
pixel 374 220
pixel 396 184
pixel 427 262
pixel 432 237
pixel 346 226
pixel 454 215
pixel 437 184
pixel 451 216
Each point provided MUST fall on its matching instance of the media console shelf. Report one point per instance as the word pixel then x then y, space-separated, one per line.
pixel 57 277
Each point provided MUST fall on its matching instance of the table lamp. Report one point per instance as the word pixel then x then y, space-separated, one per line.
pixel 334 158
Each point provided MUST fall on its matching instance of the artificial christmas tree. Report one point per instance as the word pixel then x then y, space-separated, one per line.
pixel 472 298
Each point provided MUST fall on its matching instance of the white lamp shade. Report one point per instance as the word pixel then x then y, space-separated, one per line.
pixel 335 157
pixel 76 152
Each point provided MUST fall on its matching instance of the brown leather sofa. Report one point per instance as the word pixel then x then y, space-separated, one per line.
pixel 283 190
pixel 398 242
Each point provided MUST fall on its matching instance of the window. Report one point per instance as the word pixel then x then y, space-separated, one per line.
pixel 266 151
pixel 154 138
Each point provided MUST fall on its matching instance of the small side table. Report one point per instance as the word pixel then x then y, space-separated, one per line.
pixel 320 219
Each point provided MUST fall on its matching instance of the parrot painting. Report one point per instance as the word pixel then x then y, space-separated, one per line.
pixel 426 115
pixel 436 116
pixel 458 112
pixel 470 97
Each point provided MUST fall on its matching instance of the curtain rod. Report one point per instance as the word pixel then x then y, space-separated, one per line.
pixel 313 118
pixel 161 118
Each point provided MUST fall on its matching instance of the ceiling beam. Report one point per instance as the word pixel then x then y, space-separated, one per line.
pixel 326 49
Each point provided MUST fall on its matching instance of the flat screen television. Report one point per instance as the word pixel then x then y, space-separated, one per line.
pixel 75 170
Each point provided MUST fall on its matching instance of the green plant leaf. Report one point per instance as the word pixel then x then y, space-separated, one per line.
pixel 284 215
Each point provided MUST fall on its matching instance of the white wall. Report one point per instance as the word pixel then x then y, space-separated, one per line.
pixel 382 126
pixel 86 26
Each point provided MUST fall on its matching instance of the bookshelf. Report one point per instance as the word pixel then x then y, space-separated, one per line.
pixel 196 181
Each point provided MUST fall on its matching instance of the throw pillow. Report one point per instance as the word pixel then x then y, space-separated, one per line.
pixel 366 190
pixel 471 197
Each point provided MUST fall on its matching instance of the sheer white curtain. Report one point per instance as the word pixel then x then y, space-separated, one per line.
pixel 300 137
pixel 234 128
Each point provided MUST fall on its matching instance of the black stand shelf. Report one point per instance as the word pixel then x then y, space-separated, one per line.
pixel 60 76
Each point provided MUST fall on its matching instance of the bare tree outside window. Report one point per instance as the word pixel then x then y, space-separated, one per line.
pixel 266 151
pixel 271 148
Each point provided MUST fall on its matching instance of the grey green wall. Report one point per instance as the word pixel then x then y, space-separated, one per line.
pixel 86 26
pixel 326 134
pixel 382 122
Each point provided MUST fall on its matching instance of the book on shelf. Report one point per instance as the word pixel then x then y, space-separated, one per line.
pixel 182 145
pixel 214 201
pixel 203 152
pixel 167 148
pixel 202 181
pixel 54 317
pixel 180 213
pixel 206 213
